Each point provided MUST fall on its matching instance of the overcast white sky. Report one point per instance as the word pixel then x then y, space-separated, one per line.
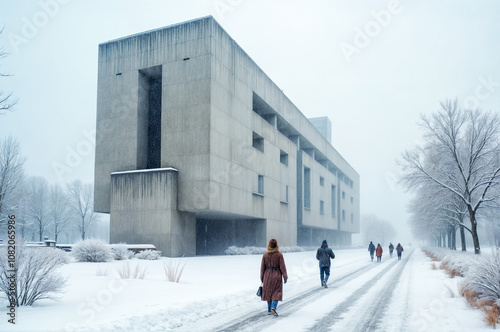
pixel 371 66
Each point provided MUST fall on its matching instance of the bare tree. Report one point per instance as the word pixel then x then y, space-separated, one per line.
pixel 38 208
pixel 36 274
pixel 436 215
pixel 11 176
pixel 7 101
pixel 59 210
pixel 81 199
pixel 461 156
pixel 375 229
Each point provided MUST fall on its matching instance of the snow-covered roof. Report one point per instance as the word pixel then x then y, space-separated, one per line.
pixel 146 170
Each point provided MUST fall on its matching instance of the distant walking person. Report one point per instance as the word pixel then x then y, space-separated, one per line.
pixel 379 252
pixel 272 274
pixel 324 254
pixel 371 249
pixel 399 250
pixel 391 249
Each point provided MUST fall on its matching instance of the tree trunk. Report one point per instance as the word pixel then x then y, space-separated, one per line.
pixel 475 238
pixel 462 238
pixel 453 238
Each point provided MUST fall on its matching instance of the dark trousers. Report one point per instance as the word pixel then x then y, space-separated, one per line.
pixel 324 273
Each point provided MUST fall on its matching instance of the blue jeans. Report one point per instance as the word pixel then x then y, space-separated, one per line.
pixel 324 270
pixel 272 305
pixel 379 258
pixel 399 255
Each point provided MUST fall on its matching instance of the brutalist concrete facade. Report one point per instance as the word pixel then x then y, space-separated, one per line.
pixel 197 149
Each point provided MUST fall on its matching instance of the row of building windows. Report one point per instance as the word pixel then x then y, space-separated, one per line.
pixel 258 143
pixel 260 191
pixel 267 113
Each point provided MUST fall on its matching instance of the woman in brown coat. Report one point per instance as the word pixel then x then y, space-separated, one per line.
pixel 272 275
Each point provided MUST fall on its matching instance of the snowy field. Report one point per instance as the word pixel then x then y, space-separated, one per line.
pixel 218 294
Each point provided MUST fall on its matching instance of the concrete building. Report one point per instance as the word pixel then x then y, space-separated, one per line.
pixel 197 149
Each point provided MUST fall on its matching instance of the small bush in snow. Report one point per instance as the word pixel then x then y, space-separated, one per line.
pixel 234 250
pixel 251 250
pixel 149 255
pixel 92 250
pixel 173 270
pixel 36 276
pixel 121 252
pixel 484 278
pixel 292 249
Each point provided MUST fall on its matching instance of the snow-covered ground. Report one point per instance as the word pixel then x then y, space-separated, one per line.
pixel 217 293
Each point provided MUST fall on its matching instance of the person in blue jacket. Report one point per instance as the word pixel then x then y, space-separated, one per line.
pixel 324 254
pixel 371 249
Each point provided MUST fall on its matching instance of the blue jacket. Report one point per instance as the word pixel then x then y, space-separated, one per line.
pixel 324 254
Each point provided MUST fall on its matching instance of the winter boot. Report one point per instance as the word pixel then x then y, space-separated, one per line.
pixel 273 311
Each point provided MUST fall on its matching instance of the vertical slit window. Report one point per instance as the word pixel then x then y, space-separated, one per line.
pixel 307 188
pixel 154 123
pixel 334 198
pixel 260 184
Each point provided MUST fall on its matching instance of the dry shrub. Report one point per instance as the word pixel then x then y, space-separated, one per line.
pixel 491 315
pixel 433 266
pixel 101 273
pixel 125 272
pixel 450 271
pixel 173 271
pixel 469 295
pixel 489 307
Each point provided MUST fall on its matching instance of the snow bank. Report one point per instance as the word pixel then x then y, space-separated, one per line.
pixel 233 250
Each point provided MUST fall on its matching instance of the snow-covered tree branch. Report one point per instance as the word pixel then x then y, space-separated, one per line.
pixel 460 155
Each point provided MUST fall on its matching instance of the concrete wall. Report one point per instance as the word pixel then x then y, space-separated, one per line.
pixel 234 163
pixel 144 210
pixel 209 86
pixel 183 52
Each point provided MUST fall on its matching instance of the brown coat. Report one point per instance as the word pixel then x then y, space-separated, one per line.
pixel 379 251
pixel 272 283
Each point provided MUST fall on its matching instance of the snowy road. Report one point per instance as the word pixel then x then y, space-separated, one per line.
pixel 217 293
pixel 355 285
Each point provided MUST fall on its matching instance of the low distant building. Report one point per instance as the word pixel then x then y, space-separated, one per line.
pixel 198 150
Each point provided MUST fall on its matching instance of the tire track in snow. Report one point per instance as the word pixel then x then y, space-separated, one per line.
pixel 259 320
pixel 375 312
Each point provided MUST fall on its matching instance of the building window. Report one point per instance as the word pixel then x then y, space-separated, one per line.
pixel 321 181
pixel 352 218
pixel 343 215
pixel 322 207
pixel 307 188
pixel 260 185
pixel 334 198
pixel 343 195
pixel 284 157
pixel 149 120
pixel 352 200
pixel 284 194
pixel 258 142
